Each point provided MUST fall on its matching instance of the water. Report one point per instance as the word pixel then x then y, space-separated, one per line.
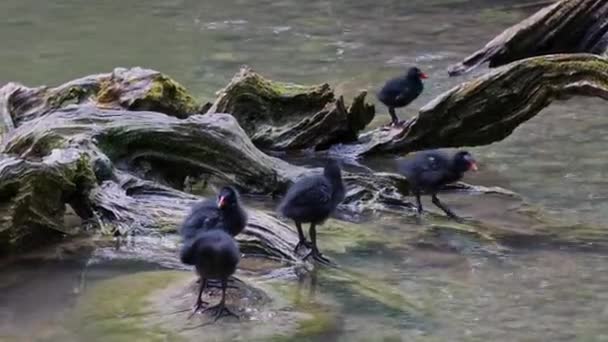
pixel 556 160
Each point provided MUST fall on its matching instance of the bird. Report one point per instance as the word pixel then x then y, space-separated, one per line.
pixel 226 212
pixel 312 199
pixel 401 91
pixel 215 255
pixel 430 170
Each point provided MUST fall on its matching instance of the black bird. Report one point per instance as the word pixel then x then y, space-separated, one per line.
pixel 215 255
pixel 401 91
pixel 429 171
pixel 226 213
pixel 312 199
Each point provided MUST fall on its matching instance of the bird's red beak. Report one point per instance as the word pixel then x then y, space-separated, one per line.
pixel 473 166
pixel 221 202
pixel 423 75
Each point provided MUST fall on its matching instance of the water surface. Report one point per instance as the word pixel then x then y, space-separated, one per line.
pixel 556 160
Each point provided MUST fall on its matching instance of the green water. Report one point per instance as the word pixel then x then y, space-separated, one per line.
pixel 556 160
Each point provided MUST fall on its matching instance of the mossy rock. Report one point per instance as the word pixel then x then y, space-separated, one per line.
pixel 285 116
pixel 34 197
pixel 146 90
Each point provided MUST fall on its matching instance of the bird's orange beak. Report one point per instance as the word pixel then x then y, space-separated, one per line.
pixel 473 166
pixel 423 75
pixel 221 202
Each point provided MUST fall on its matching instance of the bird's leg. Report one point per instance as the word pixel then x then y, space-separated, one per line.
pixel 220 310
pixel 419 202
pixel 199 300
pixel 302 241
pixel 217 284
pixel 444 207
pixel 315 250
pixel 394 118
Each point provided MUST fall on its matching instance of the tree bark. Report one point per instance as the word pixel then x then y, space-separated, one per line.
pixel 568 26
pixel 487 109
pixel 283 116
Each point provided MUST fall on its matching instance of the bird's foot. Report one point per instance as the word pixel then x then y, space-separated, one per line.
pixel 317 256
pixel 397 123
pixel 303 242
pixel 220 310
pixel 456 218
pixel 199 305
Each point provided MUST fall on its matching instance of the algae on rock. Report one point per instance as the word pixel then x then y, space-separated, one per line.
pixel 284 116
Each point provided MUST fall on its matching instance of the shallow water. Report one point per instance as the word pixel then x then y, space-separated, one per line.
pixel 556 160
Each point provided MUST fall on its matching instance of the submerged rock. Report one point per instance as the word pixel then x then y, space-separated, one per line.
pixel 155 306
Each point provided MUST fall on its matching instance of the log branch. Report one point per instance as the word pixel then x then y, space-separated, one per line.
pixel 568 26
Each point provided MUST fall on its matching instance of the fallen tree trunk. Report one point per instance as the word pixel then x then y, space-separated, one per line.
pixel 487 109
pixel 117 144
pixel 568 26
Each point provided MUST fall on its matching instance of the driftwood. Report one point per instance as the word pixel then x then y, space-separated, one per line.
pixel 568 26
pixel 487 109
pixel 283 116
pixel 125 167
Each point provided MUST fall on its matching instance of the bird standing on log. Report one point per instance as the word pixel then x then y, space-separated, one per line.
pixel 312 199
pixel 429 171
pixel 401 91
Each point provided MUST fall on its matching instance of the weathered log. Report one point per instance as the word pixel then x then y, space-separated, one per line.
pixel 568 26
pixel 131 152
pixel 487 109
pixel 133 89
pixel 33 197
pixel 283 116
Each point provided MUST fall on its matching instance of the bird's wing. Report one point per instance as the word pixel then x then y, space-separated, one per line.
pixel 429 168
pixel 433 168
pixel 405 93
pixel 311 189
pixel 203 216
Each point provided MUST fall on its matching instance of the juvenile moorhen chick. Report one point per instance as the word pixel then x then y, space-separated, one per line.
pixel 429 171
pixel 215 255
pixel 312 199
pixel 226 213
pixel 401 91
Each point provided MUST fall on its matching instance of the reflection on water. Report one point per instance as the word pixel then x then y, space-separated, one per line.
pixel 556 160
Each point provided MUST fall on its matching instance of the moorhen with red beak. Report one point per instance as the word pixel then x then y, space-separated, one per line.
pixel 312 199
pixel 225 213
pixel 429 171
pixel 401 91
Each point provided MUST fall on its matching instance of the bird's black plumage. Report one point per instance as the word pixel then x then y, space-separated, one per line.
pixel 226 213
pixel 401 91
pixel 312 199
pixel 429 171
pixel 215 255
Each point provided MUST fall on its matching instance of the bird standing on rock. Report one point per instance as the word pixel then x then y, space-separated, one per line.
pixel 401 91
pixel 215 255
pixel 429 171
pixel 312 199
pixel 225 213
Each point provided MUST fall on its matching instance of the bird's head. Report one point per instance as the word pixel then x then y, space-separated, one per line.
pixel 416 73
pixel 464 161
pixel 228 197
pixel 332 169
